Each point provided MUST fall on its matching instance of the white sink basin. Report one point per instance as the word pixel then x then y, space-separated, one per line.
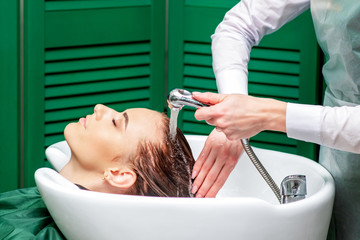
pixel 245 208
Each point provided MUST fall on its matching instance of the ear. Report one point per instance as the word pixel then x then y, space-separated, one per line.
pixel 121 178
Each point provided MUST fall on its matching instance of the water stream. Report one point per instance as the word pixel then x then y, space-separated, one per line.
pixel 173 121
pixel 173 126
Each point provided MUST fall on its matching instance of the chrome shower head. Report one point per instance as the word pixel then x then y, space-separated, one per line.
pixel 180 97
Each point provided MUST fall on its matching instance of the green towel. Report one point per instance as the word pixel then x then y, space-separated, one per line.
pixel 23 215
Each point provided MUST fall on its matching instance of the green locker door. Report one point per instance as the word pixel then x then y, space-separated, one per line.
pixel 284 66
pixel 80 53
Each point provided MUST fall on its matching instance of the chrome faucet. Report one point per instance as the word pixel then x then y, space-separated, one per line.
pixel 180 97
pixel 293 188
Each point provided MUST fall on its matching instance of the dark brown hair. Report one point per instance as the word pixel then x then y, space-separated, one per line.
pixel 164 168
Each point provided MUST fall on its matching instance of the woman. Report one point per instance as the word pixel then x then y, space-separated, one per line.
pixel 128 152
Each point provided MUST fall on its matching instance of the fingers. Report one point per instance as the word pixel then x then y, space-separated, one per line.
pixel 209 175
pixel 220 181
pixel 208 97
pixel 214 111
pixel 209 114
pixel 200 161
pixel 206 178
pixel 202 166
pixel 202 114
pixel 216 162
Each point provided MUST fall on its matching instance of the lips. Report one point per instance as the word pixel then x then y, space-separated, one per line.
pixel 83 122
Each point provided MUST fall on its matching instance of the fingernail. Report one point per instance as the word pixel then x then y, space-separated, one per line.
pixel 198 196
pixel 193 175
pixel 194 189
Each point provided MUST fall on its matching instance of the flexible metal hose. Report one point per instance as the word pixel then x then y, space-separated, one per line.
pixel 258 165
pixel 179 97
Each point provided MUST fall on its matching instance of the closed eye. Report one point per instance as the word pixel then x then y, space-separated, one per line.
pixel 120 121
pixel 126 119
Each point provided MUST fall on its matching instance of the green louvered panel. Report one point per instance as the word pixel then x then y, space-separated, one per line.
pixel 109 52
pixel 274 73
pixel 283 66
pixel 75 54
pixel 77 78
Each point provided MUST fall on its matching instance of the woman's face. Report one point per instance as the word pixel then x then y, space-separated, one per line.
pixel 107 135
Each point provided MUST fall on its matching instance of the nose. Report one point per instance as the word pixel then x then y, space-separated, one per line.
pixel 100 110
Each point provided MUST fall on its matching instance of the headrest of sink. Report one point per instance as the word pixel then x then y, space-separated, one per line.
pixel 58 155
pixel 47 177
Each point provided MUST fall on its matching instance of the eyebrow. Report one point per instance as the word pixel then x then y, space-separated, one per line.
pixel 126 119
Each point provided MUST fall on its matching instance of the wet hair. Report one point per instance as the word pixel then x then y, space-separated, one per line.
pixel 163 168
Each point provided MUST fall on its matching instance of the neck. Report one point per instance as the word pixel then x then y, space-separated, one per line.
pixel 75 173
pixel 92 180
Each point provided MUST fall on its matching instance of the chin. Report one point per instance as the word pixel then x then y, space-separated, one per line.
pixel 69 131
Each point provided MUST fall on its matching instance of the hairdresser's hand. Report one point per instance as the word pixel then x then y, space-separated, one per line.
pixel 214 164
pixel 241 116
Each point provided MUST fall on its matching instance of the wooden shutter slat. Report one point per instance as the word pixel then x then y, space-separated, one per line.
pixel 275 54
pixel 96 87
pixel 274 78
pixel 198 71
pixel 68 114
pixel 96 75
pixel 201 48
pixel 86 64
pixel 96 51
pixel 273 66
pixel 198 59
pixel 88 100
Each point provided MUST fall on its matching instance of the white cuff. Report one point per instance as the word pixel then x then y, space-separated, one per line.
pixel 232 81
pixel 303 122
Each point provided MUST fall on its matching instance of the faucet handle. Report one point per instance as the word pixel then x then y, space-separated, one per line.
pixel 293 188
pixel 180 97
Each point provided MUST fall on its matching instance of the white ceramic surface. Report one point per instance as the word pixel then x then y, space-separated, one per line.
pixel 245 208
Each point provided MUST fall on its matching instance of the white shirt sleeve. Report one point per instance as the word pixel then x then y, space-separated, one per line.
pixel 335 127
pixel 242 28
